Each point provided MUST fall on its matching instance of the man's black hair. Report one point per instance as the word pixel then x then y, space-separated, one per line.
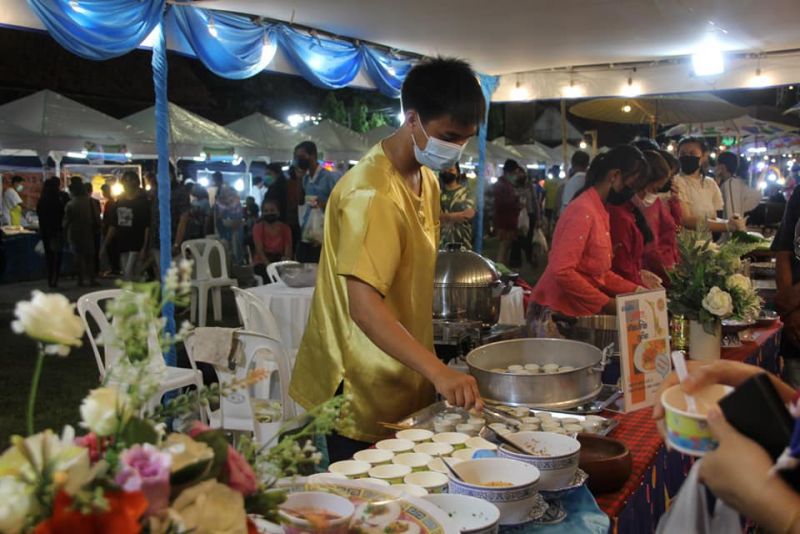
pixel 17 179
pixel 730 161
pixel 510 166
pixel 276 168
pixel 645 143
pixel 580 159
pixel 309 147
pixel 692 139
pixel 444 87
pixel 217 178
pixel 257 180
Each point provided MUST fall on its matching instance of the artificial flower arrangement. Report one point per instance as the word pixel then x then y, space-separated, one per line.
pixel 128 474
pixel 706 285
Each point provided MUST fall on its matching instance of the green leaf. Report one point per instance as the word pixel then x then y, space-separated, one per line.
pixel 139 431
pixel 216 440
pixel 265 503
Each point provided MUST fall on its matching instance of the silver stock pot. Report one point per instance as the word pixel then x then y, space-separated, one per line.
pixel 562 390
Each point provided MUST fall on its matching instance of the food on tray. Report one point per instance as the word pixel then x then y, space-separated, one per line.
pixel 319 518
pixel 652 349
pixel 534 369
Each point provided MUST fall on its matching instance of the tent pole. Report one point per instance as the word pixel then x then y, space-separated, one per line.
pixel 564 150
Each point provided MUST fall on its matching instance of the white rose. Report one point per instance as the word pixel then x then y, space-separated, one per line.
pixel 718 302
pixel 103 410
pixel 16 501
pixel 738 281
pixel 49 318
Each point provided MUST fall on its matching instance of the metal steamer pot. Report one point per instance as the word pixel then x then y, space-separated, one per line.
pixel 558 391
pixel 466 287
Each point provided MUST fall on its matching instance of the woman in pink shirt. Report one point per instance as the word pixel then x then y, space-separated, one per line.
pixel 272 239
pixel 661 254
pixel 578 280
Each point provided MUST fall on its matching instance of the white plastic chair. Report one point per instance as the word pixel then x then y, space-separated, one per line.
pixel 90 305
pixel 204 280
pixel 272 271
pixel 255 315
pixel 239 410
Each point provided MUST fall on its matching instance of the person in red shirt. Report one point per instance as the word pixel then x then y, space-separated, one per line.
pixel 272 239
pixel 661 254
pixel 578 280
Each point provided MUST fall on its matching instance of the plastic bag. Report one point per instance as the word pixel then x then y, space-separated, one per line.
pixel 539 241
pixel 39 248
pixel 312 226
pixel 689 510
pixel 523 222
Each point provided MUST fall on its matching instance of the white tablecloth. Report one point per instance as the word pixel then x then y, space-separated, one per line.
pixel 290 306
pixel 512 309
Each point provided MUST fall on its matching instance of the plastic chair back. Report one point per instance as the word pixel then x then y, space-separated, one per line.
pixel 255 315
pixel 272 271
pixel 89 305
pixel 209 257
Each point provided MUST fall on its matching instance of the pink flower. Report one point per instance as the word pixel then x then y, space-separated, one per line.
pixel 198 428
pixel 145 468
pixel 90 441
pixel 240 474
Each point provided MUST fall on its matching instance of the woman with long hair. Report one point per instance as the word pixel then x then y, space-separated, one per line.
pixel 50 210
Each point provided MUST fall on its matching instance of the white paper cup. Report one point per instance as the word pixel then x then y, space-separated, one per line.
pixel 395 445
pixel 350 468
pixel 433 482
pixel 434 449
pixel 374 456
pixel 391 473
pixel 417 461
pixel 417 435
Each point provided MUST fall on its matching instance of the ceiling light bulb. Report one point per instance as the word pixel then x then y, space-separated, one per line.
pixel 572 90
pixel 117 189
pixel 670 147
pixel 708 61
pixel 519 92
pixel 583 145
pixel 723 147
pixel 626 108
pixel 631 89
pixel 212 29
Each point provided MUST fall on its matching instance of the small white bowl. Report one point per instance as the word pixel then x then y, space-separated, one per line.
pixel 317 500
pixel 395 445
pixel 437 464
pixel 558 461
pixel 415 460
pixel 468 429
pixel 432 481
pixel 464 454
pixel 412 490
pixel 470 514
pixel 374 456
pixel 325 478
pixel 456 439
pixel 417 435
pixel 350 468
pixel 434 449
pixel 480 443
pixel 376 481
pixel 392 473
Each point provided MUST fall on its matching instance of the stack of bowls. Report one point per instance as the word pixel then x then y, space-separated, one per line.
pixel 557 462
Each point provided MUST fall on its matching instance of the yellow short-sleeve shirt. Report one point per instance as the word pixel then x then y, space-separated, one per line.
pixel 379 231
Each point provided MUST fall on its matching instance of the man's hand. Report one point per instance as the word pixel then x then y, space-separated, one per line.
pixel 458 388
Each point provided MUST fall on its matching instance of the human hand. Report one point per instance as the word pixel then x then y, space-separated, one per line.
pixel 651 280
pixel 458 388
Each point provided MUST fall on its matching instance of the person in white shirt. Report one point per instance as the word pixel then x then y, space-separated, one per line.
pixel 579 164
pixel 699 195
pixel 738 197
pixel 12 202
pixel 259 191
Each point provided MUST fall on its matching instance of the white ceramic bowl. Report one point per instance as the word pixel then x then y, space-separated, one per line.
pixel 470 514
pixel 430 480
pixel 317 500
pixel 558 461
pixel 412 490
pixel 480 443
pixel 417 435
pixel 434 449
pixel 392 473
pixel 438 464
pixel 415 460
pixel 395 445
pixel 464 454
pixel 515 501
pixel 456 439
pixel 350 468
pixel 374 456
pixel 376 481
pixel 325 478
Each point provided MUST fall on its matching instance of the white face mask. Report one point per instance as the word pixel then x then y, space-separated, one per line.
pixel 438 155
pixel 649 199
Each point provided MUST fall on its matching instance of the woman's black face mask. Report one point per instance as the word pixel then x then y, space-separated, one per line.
pixel 448 177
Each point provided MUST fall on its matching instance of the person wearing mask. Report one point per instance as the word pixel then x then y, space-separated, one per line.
pixel 506 210
pixel 130 226
pixel 277 191
pixel 786 246
pixel 12 202
pixel 669 194
pixel 80 219
pixel 457 209
pixel 738 197
pixel 369 334
pixel 700 197
pixel 294 198
pixel 198 224
pixel 578 280
pixel 50 210
pixel 110 250
pixel 229 217
pixel 272 239
pixel 661 254
pixel 317 184
pixel 258 191
pixel 579 164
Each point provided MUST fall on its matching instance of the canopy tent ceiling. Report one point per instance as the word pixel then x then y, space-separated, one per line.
pixel 337 142
pixel 739 127
pixel 65 125
pixel 548 127
pixel 495 153
pixel 273 138
pixel 668 109
pixel 531 152
pixel 191 134
pixel 16 137
pixel 379 133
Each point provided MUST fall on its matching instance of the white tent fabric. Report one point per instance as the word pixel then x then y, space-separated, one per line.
pixel 191 134
pixel 548 127
pixel 739 127
pixel 495 153
pixel 558 153
pixel 13 137
pixel 530 153
pixel 375 135
pixel 62 125
pixel 273 138
pixel 337 142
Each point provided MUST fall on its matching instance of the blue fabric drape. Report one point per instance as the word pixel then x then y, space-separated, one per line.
pixel 488 86
pixel 159 64
pixel 99 29
pixel 240 49
pixel 386 71
pixel 323 62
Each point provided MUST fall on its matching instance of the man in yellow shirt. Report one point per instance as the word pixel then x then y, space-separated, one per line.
pixel 370 332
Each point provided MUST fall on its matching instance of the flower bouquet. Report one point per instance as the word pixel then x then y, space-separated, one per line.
pixel 128 474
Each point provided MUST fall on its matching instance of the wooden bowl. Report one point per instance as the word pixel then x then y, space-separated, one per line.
pixel 607 462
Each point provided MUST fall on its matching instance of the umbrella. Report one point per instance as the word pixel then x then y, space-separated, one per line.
pixel 275 139
pixel 793 109
pixel 338 142
pixel 738 127
pixel 662 109
pixel 376 135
